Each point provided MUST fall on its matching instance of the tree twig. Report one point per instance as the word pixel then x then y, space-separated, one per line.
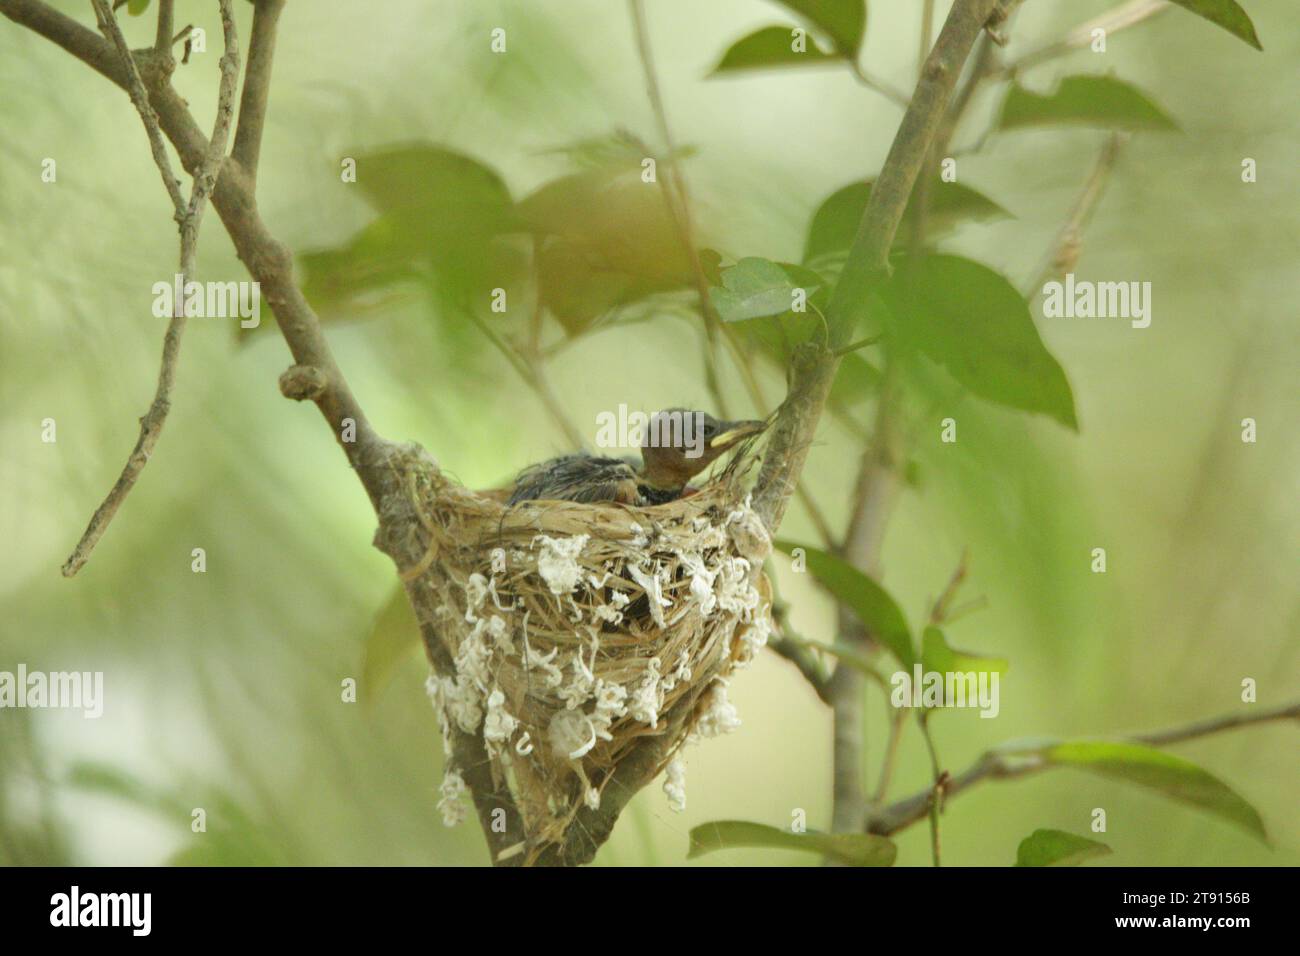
pixel 794 649
pixel 257 86
pixel 677 199
pixel 878 85
pixel 937 789
pixel 897 721
pixel 1064 253
pixel 1120 18
pixel 189 217
pixel 162 43
pixel 678 203
pixel 996 766
pixel 271 264
pixel 813 372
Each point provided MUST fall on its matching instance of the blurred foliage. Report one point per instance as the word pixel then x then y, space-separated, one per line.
pixel 1057 848
pixel 522 173
pixel 851 849
pixel 1098 101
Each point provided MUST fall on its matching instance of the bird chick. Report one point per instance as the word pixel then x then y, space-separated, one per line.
pixel 679 444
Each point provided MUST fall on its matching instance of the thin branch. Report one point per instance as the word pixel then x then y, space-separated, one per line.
pixel 140 100
pixel 189 218
pixel 162 43
pixel 898 720
pixel 996 766
pixel 813 372
pixel 868 258
pixel 937 790
pixel 531 368
pixel 924 131
pixel 878 85
pixel 927 33
pixel 796 650
pixel 269 262
pixel 939 612
pixel 257 86
pixel 1064 253
pixel 678 203
pixel 1120 18
pixel 677 199
pixel 1215 725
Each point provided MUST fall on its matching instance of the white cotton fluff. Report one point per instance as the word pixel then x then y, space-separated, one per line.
pixel 451 805
pixel 571 734
pixel 649 581
pixel 719 715
pixel 675 784
pixel 557 563
pixel 498 725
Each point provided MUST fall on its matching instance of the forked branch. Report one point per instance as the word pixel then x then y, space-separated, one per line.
pixel 188 216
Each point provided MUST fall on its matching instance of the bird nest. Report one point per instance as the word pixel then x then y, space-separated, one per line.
pixel 567 636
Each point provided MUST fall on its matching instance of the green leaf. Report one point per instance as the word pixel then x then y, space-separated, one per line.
pixel 95 777
pixel 444 219
pixel 844 21
pixel 711 265
pixel 856 380
pixel 382 255
pixel 1057 848
pixel 836 221
pixel 972 321
pixel 444 194
pixel 607 240
pixel 1227 14
pixel 771 47
pixel 853 849
pixel 936 655
pixel 1173 776
pixel 137 7
pixel 394 638
pixel 1098 101
pixel 756 287
pixel 872 604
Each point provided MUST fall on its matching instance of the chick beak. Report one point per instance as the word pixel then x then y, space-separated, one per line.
pixel 732 433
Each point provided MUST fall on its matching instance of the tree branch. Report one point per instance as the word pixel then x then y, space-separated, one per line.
pixel 678 205
pixel 269 262
pixel 189 218
pixel 788 645
pixel 162 43
pixel 1064 252
pixel 1121 17
pixel 257 87
pixel 877 85
pixel 140 100
pixel 868 261
pixel 995 766
pixel 315 374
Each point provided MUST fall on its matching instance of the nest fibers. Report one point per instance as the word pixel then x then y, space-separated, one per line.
pixel 579 630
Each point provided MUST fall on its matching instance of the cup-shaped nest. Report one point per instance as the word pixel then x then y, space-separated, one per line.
pixel 570 636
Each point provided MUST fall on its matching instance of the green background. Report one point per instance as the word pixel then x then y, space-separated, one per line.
pixel 223 687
